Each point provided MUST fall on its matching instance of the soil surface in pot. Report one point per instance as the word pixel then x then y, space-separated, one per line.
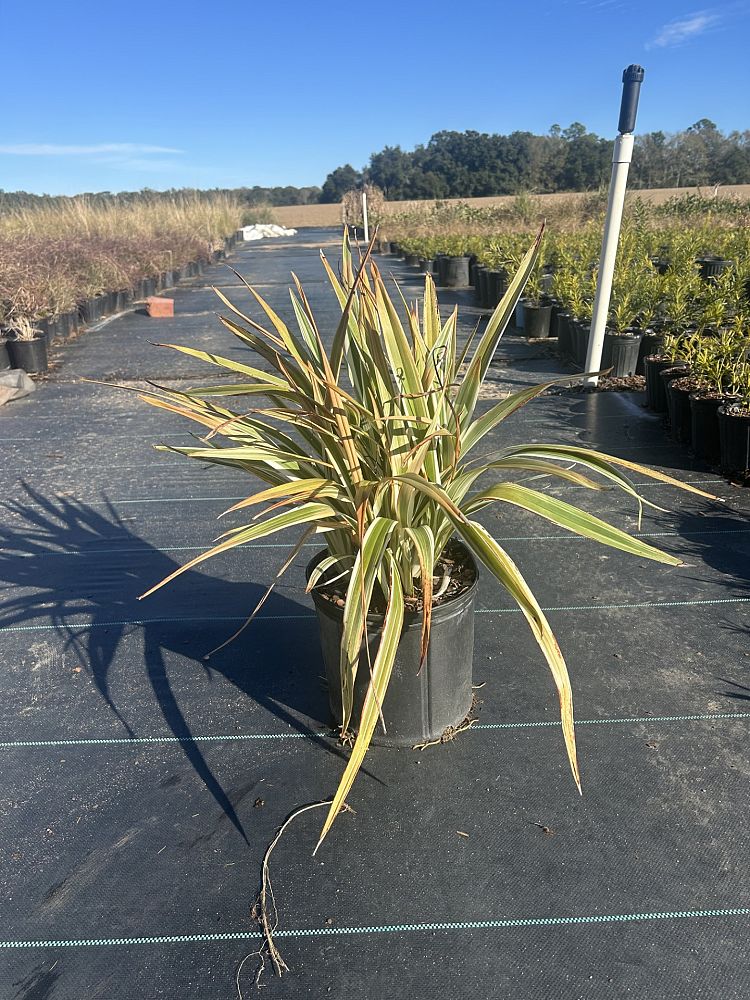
pixel 627 383
pixel 708 394
pixel 452 563
pixel 687 384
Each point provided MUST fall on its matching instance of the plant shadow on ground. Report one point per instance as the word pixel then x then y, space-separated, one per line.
pixel 51 552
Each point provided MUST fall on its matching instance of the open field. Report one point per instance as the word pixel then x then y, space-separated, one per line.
pixel 304 216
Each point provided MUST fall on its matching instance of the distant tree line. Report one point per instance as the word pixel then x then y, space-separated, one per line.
pixel 250 196
pixel 475 164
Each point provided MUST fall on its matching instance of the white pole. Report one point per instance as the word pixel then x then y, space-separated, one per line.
pixel 621 158
pixel 364 216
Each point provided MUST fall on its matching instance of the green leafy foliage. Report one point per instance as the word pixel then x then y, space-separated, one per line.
pixel 370 442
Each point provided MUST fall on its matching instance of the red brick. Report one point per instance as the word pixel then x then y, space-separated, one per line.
pixel 159 307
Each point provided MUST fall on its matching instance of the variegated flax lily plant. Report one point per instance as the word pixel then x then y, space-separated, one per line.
pixel 371 444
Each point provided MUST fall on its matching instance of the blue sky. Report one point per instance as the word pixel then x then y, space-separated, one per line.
pixel 115 96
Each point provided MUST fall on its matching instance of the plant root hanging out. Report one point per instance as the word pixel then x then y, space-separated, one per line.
pixel 453 731
pixel 264 910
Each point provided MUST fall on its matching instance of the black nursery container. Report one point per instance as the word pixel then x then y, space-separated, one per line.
pixel 4 355
pixel 712 267
pixel 456 274
pixel 419 706
pixel 656 394
pixel 483 288
pixel 678 407
pixel 90 310
pixel 581 333
pixel 651 343
pixel 564 345
pixel 734 437
pixel 440 267
pixel 704 426
pixel 620 353
pixel 536 320
pixel 31 355
pixel 667 375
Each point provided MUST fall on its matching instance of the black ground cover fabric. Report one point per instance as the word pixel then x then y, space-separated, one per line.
pixel 142 782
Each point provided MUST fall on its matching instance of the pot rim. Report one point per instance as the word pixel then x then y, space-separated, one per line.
pixel 722 411
pixel 412 619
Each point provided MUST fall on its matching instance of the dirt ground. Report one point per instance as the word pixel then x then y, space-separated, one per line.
pixel 304 216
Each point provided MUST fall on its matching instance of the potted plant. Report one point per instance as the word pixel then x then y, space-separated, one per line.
pixel 537 310
pixel 27 347
pixel 717 365
pixel 621 343
pixel 734 415
pixel 371 445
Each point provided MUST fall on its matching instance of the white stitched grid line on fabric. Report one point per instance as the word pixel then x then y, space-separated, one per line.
pixel 240 737
pixel 446 925
pixel 314 545
pixel 311 615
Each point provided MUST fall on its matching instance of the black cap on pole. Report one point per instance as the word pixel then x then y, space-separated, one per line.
pixel 632 78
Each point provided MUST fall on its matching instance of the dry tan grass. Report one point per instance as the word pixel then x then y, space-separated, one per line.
pixel 308 216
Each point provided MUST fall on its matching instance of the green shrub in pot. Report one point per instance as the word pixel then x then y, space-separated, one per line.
pixel 371 443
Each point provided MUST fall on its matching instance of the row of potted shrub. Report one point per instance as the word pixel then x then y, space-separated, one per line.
pixel 701 384
pixel 24 343
pixel 677 306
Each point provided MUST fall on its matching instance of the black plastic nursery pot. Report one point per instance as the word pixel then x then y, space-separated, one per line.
pixel 704 426
pixel 556 310
pixel 419 706
pixel 90 310
pixel 456 272
pixel 497 283
pixel 502 282
pixel 620 353
pixel 564 345
pixel 124 299
pixel 667 375
pixel 651 343
pixel 656 393
pixel 734 438
pixel 31 355
pixel 66 324
pixel 580 339
pixel 536 320
pixel 412 260
pixel 425 265
pixel 678 407
pixel 4 355
pixel 712 267
pixel 483 288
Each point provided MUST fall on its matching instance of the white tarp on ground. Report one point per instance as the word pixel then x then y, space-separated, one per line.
pixel 14 384
pixel 260 232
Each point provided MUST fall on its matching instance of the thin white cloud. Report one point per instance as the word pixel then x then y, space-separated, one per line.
pixel 138 163
pixel 684 29
pixel 107 148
